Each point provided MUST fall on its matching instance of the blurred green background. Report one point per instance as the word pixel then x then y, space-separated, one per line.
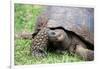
pixel 25 18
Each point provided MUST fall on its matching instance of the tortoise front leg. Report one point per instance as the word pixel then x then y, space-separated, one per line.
pixel 86 54
pixel 39 44
pixel 23 35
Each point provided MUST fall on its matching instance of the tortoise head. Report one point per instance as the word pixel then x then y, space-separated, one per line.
pixel 57 35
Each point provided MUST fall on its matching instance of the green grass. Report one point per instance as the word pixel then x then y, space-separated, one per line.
pixel 25 18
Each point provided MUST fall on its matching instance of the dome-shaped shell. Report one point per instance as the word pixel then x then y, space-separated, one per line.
pixel 76 19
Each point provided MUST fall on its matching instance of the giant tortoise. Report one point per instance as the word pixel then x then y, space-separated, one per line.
pixel 66 29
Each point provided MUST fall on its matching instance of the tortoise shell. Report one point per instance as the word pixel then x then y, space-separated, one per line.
pixel 79 20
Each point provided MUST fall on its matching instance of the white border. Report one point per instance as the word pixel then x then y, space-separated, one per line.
pixel 78 3
pixel 12 35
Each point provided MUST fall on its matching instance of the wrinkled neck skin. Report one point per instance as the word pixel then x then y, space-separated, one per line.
pixel 66 42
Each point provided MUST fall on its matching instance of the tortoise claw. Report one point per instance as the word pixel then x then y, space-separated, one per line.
pixel 39 53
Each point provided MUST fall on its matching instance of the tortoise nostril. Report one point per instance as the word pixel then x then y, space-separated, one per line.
pixel 53 33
